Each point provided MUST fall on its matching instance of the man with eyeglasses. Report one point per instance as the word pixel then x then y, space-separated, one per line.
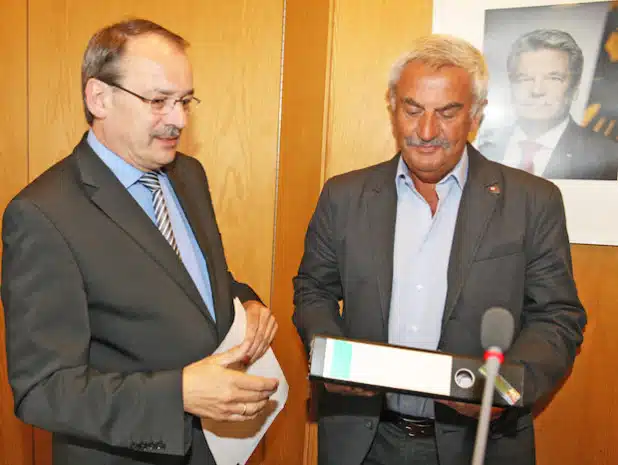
pixel 114 281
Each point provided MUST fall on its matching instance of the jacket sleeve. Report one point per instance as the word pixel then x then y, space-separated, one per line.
pixel 243 291
pixel 553 318
pixel 318 287
pixel 47 342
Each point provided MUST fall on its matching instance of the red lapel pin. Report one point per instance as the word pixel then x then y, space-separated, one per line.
pixel 494 189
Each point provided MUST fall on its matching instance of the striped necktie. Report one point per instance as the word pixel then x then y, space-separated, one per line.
pixel 162 217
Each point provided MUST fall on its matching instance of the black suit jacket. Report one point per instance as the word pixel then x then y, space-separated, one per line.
pixel 510 248
pixel 580 153
pixel 101 315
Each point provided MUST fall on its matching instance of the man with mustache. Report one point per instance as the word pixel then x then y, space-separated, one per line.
pixel 545 69
pixel 417 248
pixel 114 281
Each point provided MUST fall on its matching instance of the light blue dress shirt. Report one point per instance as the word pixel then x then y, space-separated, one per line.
pixel 190 252
pixel 421 255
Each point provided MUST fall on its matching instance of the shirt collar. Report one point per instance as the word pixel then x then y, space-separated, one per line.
pixel 127 174
pixel 548 139
pixel 459 172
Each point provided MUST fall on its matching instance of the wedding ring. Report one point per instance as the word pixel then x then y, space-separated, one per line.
pixel 244 410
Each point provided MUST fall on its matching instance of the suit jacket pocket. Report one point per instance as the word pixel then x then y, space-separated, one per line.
pixel 498 251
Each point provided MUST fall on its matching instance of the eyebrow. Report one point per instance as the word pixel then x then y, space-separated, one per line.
pixel 448 106
pixel 170 92
pixel 552 73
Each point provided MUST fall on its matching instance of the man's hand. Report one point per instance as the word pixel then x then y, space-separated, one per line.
pixel 212 389
pixel 261 329
pixel 348 390
pixel 470 410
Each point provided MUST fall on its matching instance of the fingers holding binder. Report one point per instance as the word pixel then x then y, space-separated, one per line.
pixel 470 410
pixel 348 390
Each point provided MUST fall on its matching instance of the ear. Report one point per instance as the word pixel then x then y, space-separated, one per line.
pixel 98 98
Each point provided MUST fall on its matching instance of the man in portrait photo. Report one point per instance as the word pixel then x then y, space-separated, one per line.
pixel 544 70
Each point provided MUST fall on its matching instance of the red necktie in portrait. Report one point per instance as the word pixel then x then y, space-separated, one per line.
pixel 529 150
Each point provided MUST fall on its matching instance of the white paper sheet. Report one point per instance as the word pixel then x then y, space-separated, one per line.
pixel 232 443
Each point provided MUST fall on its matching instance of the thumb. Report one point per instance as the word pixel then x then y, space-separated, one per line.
pixel 234 355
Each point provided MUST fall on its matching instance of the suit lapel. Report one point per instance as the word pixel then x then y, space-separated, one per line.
pixel 108 194
pixel 561 161
pixel 203 223
pixel 381 210
pixel 479 199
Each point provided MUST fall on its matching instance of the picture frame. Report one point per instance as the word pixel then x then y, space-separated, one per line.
pixel 492 25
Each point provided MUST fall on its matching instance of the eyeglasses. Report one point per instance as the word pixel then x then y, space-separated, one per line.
pixel 163 105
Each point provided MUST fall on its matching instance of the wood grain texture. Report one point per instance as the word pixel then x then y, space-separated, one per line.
pixel 580 425
pixel 305 68
pixel 42 447
pixel 236 53
pixel 368 37
pixel 15 437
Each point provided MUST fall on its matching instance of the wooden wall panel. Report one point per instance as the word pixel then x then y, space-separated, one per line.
pixel 15 437
pixel 236 55
pixel 368 37
pixel 305 67
pixel 580 425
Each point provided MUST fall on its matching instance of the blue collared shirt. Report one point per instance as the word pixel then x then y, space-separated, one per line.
pixel 190 253
pixel 421 255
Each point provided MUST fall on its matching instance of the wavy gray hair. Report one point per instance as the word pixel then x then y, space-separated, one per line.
pixel 437 51
pixel 548 39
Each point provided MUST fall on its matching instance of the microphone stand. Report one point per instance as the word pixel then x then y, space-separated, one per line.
pixel 494 359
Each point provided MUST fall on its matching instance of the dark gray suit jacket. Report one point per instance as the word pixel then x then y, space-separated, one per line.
pixel 101 315
pixel 580 153
pixel 510 249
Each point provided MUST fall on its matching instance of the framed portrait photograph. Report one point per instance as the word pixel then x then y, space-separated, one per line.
pixel 553 101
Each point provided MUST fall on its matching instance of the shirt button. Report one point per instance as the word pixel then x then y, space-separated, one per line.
pixel 414 328
pixel 369 424
pixel 419 287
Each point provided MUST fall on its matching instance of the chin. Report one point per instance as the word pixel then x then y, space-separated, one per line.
pixel 165 158
pixel 543 118
pixel 540 114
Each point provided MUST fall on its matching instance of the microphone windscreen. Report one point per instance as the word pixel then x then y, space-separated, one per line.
pixel 497 328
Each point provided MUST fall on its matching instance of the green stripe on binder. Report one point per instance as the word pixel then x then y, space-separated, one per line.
pixel 342 359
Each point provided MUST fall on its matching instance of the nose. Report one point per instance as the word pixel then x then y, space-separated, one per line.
pixel 538 87
pixel 427 127
pixel 177 116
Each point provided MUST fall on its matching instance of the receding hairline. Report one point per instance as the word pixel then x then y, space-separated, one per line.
pixel 106 50
pixel 137 47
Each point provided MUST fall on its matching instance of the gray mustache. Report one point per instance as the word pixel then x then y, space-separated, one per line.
pixel 168 131
pixel 414 142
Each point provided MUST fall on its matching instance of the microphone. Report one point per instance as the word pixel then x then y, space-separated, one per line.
pixel 496 336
